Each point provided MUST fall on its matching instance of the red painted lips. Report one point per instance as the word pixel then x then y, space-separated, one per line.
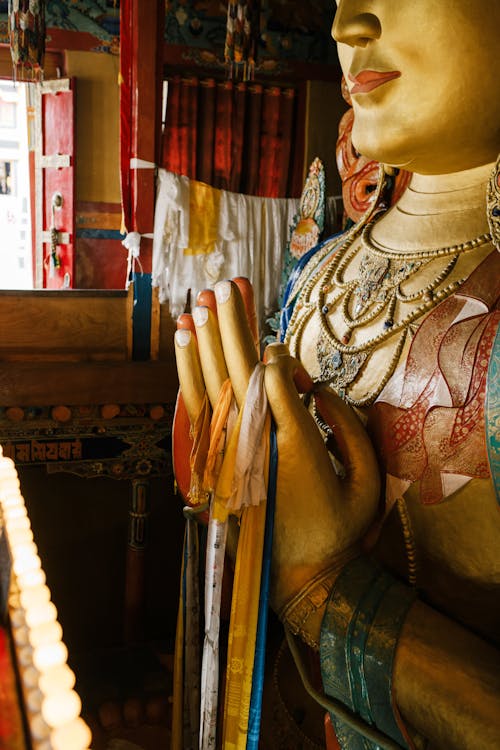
pixel 367 80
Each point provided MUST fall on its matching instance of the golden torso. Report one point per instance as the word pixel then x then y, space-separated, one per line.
pixel 353 330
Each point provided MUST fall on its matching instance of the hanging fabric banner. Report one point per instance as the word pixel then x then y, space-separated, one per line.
pixel 242 33
pixel 26 27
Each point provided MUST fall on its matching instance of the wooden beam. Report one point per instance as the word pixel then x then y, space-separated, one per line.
pixel 68 383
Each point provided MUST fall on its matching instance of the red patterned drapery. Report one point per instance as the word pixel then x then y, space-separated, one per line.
pixel 26 27
pixel 233 136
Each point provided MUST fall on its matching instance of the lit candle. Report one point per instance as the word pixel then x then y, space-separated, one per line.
pixel 30 677
pixel 61 708
pixel 20 536
pixel 49 655
pixel 20 636
pixel 7 467
pixel 17 618
pixel 56 679
pixel 33 700
pixel 48 632
pixel 34 596
pixel 23 564
pixel 20 522
pixel 10 498
pixel 38 615
pixel 9 483
pixel 14 598
pixel 16 511
pixel 27 549
pixel 39 729
pixel 25 656
pixel 73 736
pixel 31 578
pixel 10 490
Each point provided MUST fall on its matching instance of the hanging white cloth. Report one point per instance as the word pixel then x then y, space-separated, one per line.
pixel 251 239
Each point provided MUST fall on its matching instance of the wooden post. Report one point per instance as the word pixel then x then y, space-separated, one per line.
pixel 142 68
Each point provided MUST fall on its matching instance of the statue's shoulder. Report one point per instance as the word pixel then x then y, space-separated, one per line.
pixel 432 417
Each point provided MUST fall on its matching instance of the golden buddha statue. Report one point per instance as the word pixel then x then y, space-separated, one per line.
pixel 386 550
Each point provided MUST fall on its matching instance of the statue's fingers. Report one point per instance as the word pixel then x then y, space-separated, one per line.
pixel 303 381
pixel 237 339
pixel 190 373
pixel 294 424
pixel 185 322
pixel 212 360
pixel 308 490
pixel 247 294
pixel 292 419
pixel 355 447
pixel 206 298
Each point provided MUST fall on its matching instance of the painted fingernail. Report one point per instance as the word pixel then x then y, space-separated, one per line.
pixel 182 338
pixel 200 316
pixel 185 321
pixel 222 291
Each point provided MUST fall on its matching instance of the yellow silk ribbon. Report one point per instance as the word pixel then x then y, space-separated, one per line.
pixel 246 588
pixel 224 486
pixel 217 426
pixel 244 615
pixel 199 452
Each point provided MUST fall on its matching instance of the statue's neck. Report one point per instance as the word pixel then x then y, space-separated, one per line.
pixel 437 211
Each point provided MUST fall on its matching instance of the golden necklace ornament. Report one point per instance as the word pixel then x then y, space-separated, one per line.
pixel 493 204
pixel 376 294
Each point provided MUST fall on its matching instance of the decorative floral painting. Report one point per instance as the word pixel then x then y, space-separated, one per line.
pixel 99 20
pixel 290 29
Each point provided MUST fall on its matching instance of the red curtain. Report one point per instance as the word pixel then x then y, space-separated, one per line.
pixel 233 136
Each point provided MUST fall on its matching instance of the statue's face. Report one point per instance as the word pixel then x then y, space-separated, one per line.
pixel 424 80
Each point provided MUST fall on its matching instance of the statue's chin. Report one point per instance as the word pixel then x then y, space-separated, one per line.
pixel 381 150
pixel 396 148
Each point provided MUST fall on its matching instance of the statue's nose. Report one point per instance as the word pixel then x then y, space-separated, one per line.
pixel 355 29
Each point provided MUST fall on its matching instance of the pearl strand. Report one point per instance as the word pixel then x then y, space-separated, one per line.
pixel 427 305
pixel 373 247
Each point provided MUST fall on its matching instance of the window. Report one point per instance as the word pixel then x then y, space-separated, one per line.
pixel 15 215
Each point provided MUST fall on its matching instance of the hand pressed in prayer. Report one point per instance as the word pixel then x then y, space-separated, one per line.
pixel 319 516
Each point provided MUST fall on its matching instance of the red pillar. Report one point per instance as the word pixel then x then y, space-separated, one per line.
pixel 141 71
pixel 141 67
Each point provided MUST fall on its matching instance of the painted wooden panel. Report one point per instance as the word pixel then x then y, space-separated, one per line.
pixel 25 384
pixel 64 325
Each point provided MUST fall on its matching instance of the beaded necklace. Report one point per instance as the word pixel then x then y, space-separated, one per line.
pixel 373 294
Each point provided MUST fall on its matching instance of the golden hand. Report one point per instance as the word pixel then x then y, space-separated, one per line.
pixel 319 516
